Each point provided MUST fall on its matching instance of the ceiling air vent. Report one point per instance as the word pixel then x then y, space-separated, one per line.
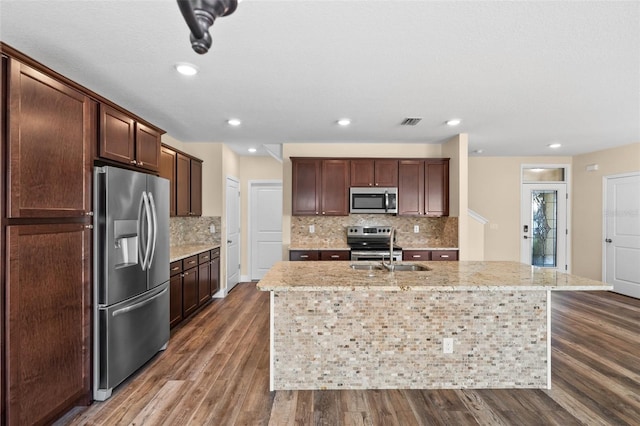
pixel 410 121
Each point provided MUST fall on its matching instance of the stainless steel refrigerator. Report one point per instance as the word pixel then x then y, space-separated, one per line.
pixel 131 273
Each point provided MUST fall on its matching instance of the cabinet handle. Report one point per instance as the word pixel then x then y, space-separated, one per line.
pixel 444 256
pixel 176 268
pixel 88 213
pixel 185 274
pixel 335 256
pixel 134 162
pixel 304 256
pixel 192 262
pixel 417 256
pixel 141 164
pixel 88 227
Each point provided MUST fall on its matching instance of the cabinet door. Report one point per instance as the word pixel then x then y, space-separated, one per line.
pixel 175 299
pixel 363 172
pixel 386 173
pixel 147 147
pixel 183 185
pixel 117 135
pixel 410 187
pixel 168 171
pixel 196 188
pixel 48 322
pixel 335 187
pixel 306 186
pixel 189 291
pixel 215 271
pixel 296 255
pixel 436 187
pixel 335 255
pixel 51 133
pixel 204 283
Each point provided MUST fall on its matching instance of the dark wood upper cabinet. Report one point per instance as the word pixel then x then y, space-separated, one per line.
pixel 374 172
pixel 423 187
pixel 195 191
pixel 51 129
pixel 320 187
pixel 410 187
pixel 436 174
pixel 127 141
pixel 335 187
pixel 306 186
pixel 167 170
pixel 48 322
pixel 147 147
pixel 183 185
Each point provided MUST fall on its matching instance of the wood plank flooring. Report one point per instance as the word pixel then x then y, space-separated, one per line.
pixel 216 372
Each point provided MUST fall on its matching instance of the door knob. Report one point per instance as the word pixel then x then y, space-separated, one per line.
pixel 229 241
pixel 525 237
pixel 608 240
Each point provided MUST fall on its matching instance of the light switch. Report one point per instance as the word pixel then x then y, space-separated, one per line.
pixel 212 229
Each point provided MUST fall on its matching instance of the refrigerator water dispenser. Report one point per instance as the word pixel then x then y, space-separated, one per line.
pixel 126 243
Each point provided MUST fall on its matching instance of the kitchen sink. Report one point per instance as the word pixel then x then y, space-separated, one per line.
pixel 407 267
pixel 367 267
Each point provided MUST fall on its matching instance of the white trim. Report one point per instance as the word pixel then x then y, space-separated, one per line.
pixel 475 215
pixel 605 181
pixel 225 237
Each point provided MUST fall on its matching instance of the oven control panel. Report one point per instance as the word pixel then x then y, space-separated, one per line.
pixel 369 231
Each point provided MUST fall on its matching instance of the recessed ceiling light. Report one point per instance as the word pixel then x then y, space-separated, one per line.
pixel 186 69
pixel 454 122
pixel 234 122
pixel 344 121
pixel 554 145
pixel 252 150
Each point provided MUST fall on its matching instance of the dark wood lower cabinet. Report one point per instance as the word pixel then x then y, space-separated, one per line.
pixel 48 322
pixel 193 282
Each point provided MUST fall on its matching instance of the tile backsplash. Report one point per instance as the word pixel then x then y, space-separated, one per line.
pixel 194 230
pixel 330 230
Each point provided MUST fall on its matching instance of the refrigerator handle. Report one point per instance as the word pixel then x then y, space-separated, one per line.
pixel 141 242
pixel 154 235
pixel 147 215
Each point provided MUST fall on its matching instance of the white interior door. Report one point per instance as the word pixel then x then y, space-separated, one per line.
pixel 544 225
pixel 265 217
pixel 233 232
pixel 622 234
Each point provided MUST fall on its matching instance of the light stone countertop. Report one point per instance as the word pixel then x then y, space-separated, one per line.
pixel 318 247
pixel 186 250
pixel 429 248
pixel 443 276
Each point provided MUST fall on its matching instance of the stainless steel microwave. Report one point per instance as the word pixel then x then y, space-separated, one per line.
pixel 373 200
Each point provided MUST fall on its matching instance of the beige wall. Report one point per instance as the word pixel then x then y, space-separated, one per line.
pixel 457 150
pixel 494 192
pixel 587 203
pixel 252 169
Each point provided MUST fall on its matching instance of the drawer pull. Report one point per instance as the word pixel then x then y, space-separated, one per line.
pixel 417 256
pixel 304 256
pixel 444 255
pixel 192 262
pixel 177 268
pixel 335 256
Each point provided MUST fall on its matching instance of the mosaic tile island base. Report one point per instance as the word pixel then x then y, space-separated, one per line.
pixel 333 327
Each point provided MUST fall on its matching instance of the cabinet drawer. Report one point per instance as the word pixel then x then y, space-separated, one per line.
pixel 335 255
pixel 215 253
pixel 303 255
pixel 175 267
pixel 189 262
pixel 444 255
pixel 417 255
pixel 204 257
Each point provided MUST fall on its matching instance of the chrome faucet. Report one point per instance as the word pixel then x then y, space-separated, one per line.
pixel 390 266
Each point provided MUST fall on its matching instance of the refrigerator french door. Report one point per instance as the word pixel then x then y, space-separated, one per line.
pixel 131 273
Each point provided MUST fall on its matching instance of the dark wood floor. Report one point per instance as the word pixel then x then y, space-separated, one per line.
pixel 216 372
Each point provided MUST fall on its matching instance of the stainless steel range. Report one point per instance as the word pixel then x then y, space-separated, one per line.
pixel 371 243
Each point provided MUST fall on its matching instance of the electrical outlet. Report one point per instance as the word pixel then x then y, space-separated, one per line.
pixel 447 345
pixel 416 229
pixel 212 229
pixel 312 229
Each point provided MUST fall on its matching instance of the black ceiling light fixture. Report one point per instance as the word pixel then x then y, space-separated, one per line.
pixel 200 15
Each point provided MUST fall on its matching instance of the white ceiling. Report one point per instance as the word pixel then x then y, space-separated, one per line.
pixel 521 75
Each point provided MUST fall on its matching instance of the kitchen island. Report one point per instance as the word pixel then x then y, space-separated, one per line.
pixel 454 325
